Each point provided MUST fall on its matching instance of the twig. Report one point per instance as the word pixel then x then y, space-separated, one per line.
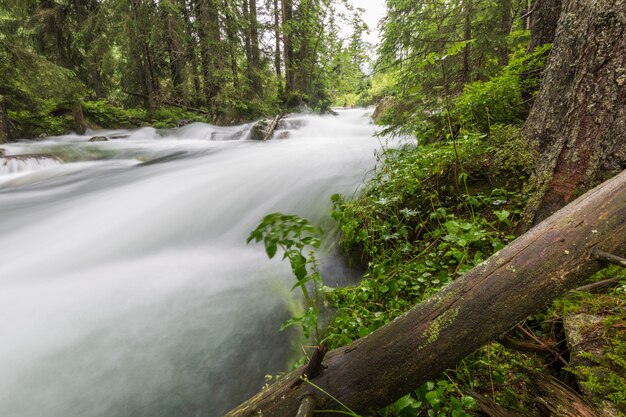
pixel 601 255
pixel 542 343
pixel 607 283
pixel 514 344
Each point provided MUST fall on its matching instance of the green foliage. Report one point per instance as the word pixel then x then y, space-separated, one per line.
pixel 141 55
pixel 293 235
pixel 499 100
pixel 104 114
pixel 433 399
pixel 416 231
pixel 602 369
pixel 427 216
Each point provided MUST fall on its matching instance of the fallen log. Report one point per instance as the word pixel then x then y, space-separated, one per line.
pixel 550 259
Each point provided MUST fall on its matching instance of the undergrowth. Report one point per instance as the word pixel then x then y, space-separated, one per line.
pixel 429 215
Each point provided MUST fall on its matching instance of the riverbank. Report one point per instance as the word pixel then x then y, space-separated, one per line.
pixel 432 213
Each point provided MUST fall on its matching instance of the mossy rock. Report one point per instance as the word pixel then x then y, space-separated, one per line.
pixel 596 337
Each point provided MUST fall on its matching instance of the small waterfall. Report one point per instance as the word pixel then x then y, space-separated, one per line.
pixel 126 285
pixel 14 164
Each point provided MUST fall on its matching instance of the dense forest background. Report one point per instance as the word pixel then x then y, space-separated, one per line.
pixel 134 62
pixel 225 60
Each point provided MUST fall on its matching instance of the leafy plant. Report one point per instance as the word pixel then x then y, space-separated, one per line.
pixel 293 235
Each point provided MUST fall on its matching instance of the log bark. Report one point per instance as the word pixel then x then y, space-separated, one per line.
pixel 555 399
pixel 550 259
pixel 579 117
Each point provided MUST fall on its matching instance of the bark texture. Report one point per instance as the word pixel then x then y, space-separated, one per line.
pixel 544 17
pixel 80 126
pixel 4 124
pixel 579 117
pixel 550 259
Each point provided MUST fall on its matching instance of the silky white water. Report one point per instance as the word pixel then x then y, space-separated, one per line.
pixel 126 285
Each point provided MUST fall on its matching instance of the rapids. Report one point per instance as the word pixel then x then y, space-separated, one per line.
pixel 126 285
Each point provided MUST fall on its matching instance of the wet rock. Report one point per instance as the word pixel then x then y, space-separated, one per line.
pixel 2 152
pixel 283 135
pixel 99 139
pixel 291 124
pixel 264 129
pixel 120 136
pixel 383 105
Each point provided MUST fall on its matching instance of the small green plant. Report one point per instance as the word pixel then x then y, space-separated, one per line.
pixel 433 399
pixel 293 235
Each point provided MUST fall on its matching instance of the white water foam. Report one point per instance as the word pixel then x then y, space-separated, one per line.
pixel 127 289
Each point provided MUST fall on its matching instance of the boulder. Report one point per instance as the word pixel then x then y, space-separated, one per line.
pixel 264 129
pixel 99 139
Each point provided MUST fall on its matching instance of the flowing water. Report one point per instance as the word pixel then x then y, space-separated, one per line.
pixel 126 285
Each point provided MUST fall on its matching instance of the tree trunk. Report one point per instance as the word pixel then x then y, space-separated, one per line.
pixel 79 118
pixel 277 60
pixel 544 17
pixel 230 18
pixel 4 124
pixel 506 21
pixel 520 280
pixel 579 117
pixel 192 47
pixel 175 50
pixel 466 76
pixel 209 39
pixel 287 7
pixel 256 83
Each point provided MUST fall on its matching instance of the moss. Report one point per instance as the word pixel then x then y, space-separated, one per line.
pixel 596 327
pixel 440 323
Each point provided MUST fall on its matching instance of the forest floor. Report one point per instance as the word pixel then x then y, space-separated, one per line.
pixel 433 212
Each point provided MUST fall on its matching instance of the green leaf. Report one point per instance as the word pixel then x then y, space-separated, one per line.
pixel 502 215
pixel 270 248
pixel 433 398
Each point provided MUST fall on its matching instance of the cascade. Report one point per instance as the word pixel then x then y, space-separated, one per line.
pixel 126 285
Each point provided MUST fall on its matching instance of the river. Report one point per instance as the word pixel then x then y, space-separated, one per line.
pixel 126 285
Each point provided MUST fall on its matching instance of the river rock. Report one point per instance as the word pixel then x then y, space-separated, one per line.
pixel 264 129
pixel 291 124
pixel 2 152
pixel 383 105
pixel 99 139
pixel 120 136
